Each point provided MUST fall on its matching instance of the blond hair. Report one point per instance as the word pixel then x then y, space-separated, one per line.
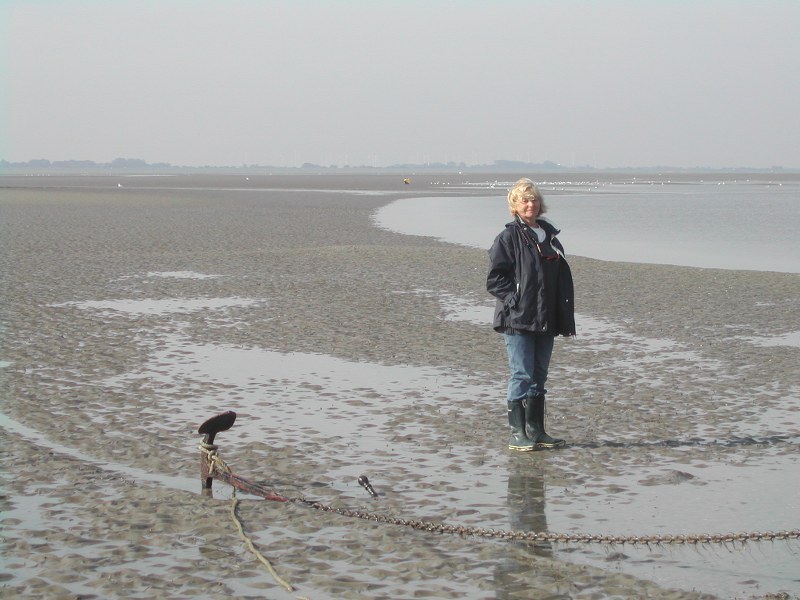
pixel 524 189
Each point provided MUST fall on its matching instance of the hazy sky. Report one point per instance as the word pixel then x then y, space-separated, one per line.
pixel 231 82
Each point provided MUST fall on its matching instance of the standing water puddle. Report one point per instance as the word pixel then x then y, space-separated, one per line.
pixel 286 400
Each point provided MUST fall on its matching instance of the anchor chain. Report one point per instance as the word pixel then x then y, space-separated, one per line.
pixel 217 464
pixel 547 536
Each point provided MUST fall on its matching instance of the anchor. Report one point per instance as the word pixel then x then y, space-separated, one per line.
pixel 212 467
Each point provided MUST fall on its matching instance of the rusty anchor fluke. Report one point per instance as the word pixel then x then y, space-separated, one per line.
pixel 212 467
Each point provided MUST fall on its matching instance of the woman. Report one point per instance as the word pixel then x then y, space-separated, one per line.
pixel 532 282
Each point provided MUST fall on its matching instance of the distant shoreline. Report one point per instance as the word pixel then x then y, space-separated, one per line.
pixel 140 167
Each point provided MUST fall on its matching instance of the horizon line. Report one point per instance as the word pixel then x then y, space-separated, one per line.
pixel 501 164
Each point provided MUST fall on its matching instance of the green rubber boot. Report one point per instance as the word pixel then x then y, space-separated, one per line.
pixel 534 424
pixel 516 420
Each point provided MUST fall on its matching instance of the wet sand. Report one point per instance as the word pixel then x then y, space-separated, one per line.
pixel 131 314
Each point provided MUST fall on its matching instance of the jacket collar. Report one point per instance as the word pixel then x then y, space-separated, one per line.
pixel 543 222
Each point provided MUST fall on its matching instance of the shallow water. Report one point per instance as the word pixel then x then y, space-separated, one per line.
pixel 343 400
pixel 714 224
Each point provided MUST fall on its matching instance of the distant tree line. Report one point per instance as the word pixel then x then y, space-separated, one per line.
pixel 498 166
pixel 137 164
pixel 117 163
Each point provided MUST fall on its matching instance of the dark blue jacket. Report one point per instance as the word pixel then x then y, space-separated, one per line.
pixel 516 279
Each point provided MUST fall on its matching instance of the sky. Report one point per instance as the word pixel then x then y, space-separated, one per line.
pixel 684 83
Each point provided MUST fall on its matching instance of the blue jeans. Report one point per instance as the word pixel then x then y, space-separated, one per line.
pixel 528 361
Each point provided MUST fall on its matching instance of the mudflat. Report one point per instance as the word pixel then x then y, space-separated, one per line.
pixel 132 309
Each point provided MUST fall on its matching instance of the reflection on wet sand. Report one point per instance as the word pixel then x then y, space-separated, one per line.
pixel 526 501
pixel 525 498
